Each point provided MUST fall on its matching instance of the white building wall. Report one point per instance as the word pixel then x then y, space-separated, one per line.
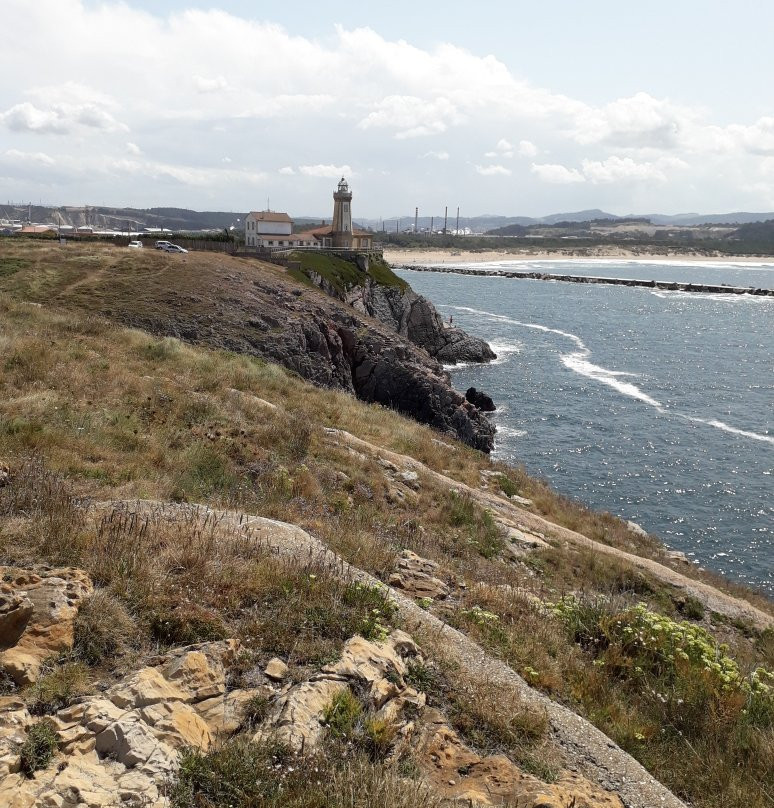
pixel 273 228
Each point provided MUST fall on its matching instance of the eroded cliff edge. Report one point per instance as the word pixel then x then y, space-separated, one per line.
pixel 256 309
pixel 368 285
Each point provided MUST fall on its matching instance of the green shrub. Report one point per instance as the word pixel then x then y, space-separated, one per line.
pixel 342 714
pixel 58 688
pixel 244 774
pixel 506 485
pixel 377 609
pixel 38 748
pixel 478 524
pixel 378 736
pixel 184 625
pixel 254 711
pixel 160 350
pixel 237 774
pixel 103 629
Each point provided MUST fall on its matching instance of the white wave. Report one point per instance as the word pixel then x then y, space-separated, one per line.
pixel 510 432
pixel 579 364
pixel 578 361
pixel 503 319
pixel 504 351
pixel 728 428
pixel 713 296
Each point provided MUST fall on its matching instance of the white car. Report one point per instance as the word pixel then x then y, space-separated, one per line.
pixel 174 248
pixel 136 245
pixel 162 245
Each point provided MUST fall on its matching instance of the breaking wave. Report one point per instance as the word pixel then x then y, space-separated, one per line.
pixel 578 362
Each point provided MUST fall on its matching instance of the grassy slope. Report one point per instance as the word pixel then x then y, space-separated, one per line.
pixel 342 273
pixel 117 413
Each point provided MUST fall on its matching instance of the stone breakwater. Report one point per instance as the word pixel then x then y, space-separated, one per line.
pixel 675 286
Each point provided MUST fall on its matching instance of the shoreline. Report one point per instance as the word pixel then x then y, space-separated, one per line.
pixel 402 255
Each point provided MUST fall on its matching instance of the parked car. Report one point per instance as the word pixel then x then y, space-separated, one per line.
pixel 162 245
pixel 135 245
pixel 175 248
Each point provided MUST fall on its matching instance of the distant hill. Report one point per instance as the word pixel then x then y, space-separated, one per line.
pixel 184 219
pixel 688 219
pixel 123 218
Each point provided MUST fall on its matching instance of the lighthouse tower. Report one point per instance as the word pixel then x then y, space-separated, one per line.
pixel 341 233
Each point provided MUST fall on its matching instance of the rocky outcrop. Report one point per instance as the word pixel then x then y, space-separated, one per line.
pixel 37 613
pixel 261 314
pixel 459 774
pixel 375 669
pixel 119 748
pixel 480 399
pixel 415 576
pixel 412 316
pixel 415 317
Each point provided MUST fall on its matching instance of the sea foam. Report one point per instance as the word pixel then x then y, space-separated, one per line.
pixel 578 362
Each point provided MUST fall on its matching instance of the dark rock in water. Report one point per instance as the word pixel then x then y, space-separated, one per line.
pixel 480 399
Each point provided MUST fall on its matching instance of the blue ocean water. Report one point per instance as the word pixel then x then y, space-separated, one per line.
pixel 656 406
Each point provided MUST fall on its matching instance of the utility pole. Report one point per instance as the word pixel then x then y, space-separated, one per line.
pixel 432 219
pixel 416 220
pixel 445 218
pixel 458 220
pixel 397 225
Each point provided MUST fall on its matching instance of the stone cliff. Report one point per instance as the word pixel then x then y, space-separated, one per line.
pixel 373 289
pixel 253 308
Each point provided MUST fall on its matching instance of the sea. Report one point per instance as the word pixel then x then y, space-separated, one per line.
pixel 657 406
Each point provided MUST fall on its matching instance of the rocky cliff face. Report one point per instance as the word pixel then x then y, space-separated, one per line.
pixel 412 316
pixel 249 308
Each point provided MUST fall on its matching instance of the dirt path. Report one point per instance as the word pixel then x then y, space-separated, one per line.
pixel 501 508
pixel 586 749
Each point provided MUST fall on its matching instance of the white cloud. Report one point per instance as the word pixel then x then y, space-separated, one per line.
pixel 412 116
pixel 527 149
pixel 58 119
pixel 557 174
pixel 328 171
pixel 27 117
pixel 624 169
pixel 493 171
pixel 212 85
pixel 37 158
pixel 639 121
pixel 194 84
pixel 503 150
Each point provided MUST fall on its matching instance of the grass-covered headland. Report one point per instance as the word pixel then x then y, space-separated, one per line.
pixel 91 412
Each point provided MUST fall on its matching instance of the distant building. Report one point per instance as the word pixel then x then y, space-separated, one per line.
pixel 340 235
pixel 270 229
pixel 37 228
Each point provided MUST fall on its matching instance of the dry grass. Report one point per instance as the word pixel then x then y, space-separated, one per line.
pixel 243 774
pixel 93 411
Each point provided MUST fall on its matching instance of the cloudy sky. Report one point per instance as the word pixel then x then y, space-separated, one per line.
pixel 500 107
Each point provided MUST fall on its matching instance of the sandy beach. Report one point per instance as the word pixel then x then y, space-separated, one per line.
pixel 394 255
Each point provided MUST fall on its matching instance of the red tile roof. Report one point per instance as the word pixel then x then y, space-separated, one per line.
pixel 270 216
